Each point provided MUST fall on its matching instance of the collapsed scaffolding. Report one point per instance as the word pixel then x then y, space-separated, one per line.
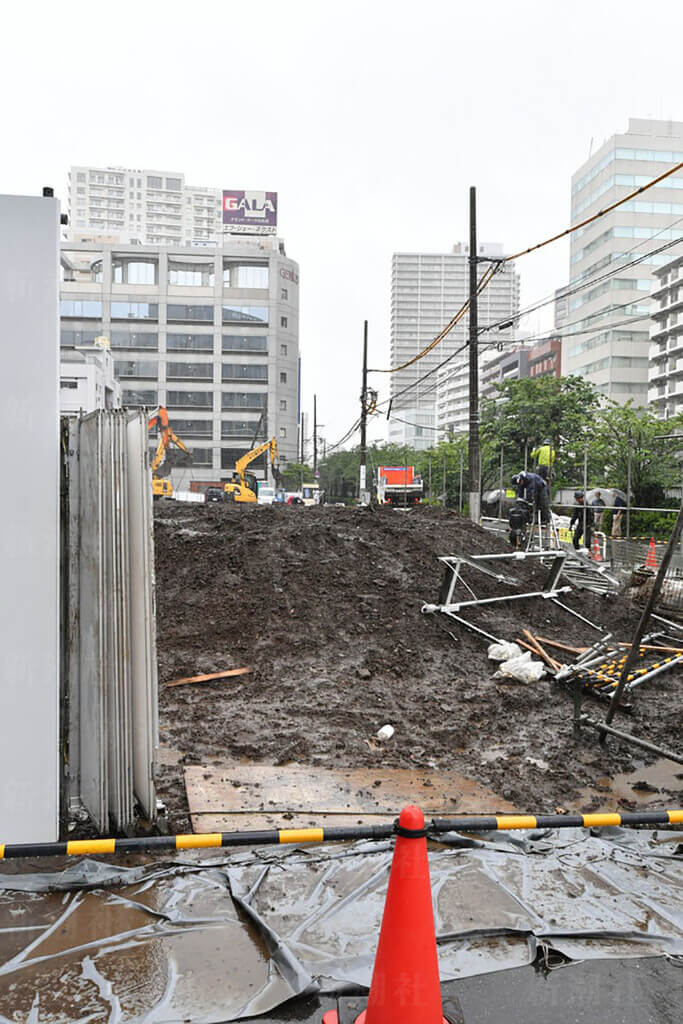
pixel 608 669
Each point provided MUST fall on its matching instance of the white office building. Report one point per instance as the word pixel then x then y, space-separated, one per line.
pixel 210 333
pixel 427 290
pixel 666 340
pixel 87 380
pixel 141 206
pixel 605 324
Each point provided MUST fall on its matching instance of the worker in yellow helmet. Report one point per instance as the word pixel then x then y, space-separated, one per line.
pixel 544 457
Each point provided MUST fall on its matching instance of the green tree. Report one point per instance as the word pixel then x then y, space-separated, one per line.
pixel 623 432
pixel 525 412
pixel 294 474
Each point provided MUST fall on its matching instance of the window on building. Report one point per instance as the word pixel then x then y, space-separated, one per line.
pixel 245 343
pixel 244 400
pixel 173 184
pixel 82 309
pixel 283 350
pixel 191 273
pixel 243 428
pixel 283 432
pixel 183 311
pixel 193 428
pixel 189 342
pixel 134 270
pixel 245 275
pixel 284 294
pixel 245 371
pixel 131 397
pixel 202 456
pixel 283 377
pixel 69 339
pixel 190 399
pixel 135 368
pixel 80 176
pixel 68 384
pixel 80 266
pixel 246 314
pixel 154 182
pixel 283 405
pixel 135 311
pixel 134 339
pixel 283 321
pixel 189 371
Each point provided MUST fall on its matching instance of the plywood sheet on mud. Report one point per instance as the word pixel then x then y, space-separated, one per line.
pixel 238 797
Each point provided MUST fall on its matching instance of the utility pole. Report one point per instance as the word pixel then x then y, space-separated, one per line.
pixel 474 452
pixel 315 435
pixel 364 414
pixel 301 433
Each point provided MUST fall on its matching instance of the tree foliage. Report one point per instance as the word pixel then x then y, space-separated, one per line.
pixel 567 410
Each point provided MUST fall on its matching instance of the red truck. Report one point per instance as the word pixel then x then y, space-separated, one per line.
pixel 399 486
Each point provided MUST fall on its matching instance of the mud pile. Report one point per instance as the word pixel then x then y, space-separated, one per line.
pixel 325 604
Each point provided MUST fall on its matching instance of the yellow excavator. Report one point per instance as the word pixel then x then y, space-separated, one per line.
pixel 161 487
pixel 243 487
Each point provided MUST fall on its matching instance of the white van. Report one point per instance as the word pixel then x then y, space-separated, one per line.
pixel 266 495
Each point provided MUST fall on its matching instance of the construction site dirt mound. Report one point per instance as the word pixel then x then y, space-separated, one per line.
pixel 324 605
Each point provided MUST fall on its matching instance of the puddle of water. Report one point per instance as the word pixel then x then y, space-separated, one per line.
pixel 661 774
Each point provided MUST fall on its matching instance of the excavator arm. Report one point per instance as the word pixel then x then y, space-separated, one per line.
pixel 166 437
pixel 267 446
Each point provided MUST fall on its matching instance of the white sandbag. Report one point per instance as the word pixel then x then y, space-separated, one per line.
pixel 504 651
pixel 523 669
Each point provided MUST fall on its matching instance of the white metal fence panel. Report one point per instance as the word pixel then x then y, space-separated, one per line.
pixel 112 655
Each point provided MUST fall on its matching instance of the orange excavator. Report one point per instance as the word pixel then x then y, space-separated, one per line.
pixel 164 457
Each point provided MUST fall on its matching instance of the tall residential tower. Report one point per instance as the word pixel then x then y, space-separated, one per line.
pixel 605 323
pixel 427 290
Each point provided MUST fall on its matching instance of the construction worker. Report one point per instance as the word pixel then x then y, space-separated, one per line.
pixel 617 516
pixel 598 504
pixel 578 514
pixel 534 489
pixel 544 457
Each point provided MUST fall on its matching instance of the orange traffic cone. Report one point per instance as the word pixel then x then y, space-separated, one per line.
pixel 651 560
pixel 405 981
pixel 595 549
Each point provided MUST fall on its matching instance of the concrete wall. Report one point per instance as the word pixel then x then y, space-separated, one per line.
pixel 29 519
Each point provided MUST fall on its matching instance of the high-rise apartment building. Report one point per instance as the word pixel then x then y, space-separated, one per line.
pixel 605 324
pixel 141 206
pixel 666 340
pixel 427 290
pixel 210 333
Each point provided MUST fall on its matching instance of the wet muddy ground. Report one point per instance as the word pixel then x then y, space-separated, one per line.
pixel 324 605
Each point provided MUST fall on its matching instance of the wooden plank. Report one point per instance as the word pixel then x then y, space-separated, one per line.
pixel 212 675
pixel 236 797
pixel 550 662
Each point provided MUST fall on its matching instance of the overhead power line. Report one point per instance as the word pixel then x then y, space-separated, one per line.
pixel 449 326
pixel 600 213
pixel 524 252
pixel 588 283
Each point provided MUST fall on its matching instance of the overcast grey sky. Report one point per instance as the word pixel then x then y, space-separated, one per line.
pixel 371 120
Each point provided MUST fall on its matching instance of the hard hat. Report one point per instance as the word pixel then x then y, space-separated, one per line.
pixel 578 494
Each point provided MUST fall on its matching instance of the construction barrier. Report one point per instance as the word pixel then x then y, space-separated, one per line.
pixel 405 982
pixel 270 837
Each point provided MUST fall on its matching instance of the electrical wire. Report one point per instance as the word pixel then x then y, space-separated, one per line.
pixel 487 277
pixel 600 213
pixel 346 437
pixel 508 320
pixel 588 283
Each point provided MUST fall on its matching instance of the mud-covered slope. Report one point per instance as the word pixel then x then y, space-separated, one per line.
pixel 325 604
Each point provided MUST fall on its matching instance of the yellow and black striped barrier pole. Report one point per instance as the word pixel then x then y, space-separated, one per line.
pixel 270 837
